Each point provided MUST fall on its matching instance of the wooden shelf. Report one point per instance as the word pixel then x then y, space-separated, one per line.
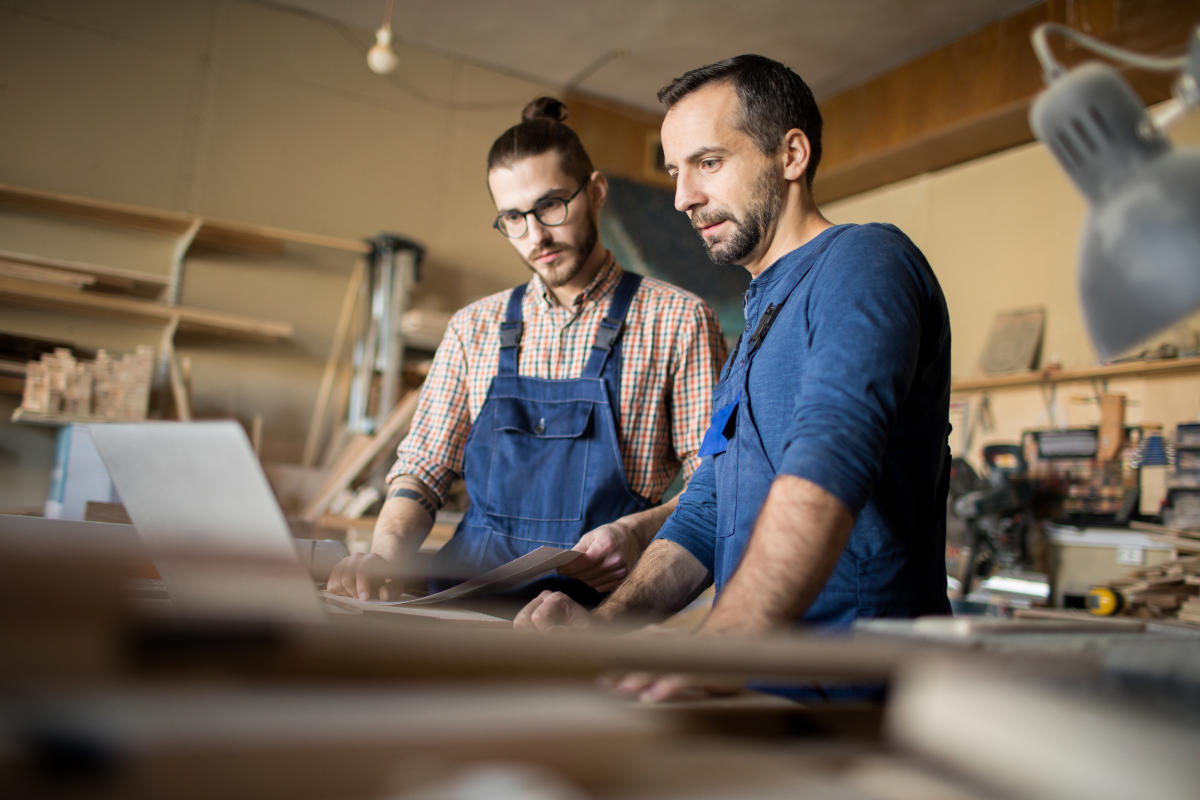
pixel 59 420
pixel 214 233
pixel 190 319
pixel 1128 369
pixel 144 284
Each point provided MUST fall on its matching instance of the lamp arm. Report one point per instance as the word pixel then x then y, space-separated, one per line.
pixel 1052 70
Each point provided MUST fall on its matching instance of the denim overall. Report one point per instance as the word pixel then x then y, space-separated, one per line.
pixel 542 461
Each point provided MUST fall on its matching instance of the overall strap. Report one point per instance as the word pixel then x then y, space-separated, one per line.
pixel 510 332
pixel 611 326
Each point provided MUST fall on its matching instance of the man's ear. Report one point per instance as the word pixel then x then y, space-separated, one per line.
pixel 598 190
pixel 795 154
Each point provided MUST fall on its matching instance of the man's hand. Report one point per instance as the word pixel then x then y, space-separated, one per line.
pixel 366 576
pixel 551 611
pixel 609 554
pixel 651 688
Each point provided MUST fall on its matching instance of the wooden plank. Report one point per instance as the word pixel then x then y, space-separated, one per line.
pixel 96 511
pixel 1129 369
pixel 51 420
pixel 190 319
pixel 1086 618
pixel 141 283
pixel 341 331
pixel 1150 527
pixel 393 427
pixel 216 233
pixel 103 211
pixel 228 235
pixel 56 277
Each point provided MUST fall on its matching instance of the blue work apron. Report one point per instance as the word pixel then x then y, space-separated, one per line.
pixel 542 460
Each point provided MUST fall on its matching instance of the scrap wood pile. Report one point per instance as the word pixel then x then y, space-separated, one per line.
pixel 1170 590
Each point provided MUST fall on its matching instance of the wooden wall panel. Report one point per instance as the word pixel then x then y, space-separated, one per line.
pixel 971 97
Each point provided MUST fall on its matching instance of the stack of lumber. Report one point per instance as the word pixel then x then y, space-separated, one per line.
pixel 1165 591
pixel 107 388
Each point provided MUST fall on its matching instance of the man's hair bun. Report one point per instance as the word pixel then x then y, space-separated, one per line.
pixel 544 108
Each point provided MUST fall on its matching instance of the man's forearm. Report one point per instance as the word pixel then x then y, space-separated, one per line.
pixel 797 541
pixel 645 524
pixel 405 519
pixel 665 580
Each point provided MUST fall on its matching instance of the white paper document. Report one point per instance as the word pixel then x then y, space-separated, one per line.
pixel 514 573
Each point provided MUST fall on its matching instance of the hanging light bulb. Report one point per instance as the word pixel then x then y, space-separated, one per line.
pixel 381 58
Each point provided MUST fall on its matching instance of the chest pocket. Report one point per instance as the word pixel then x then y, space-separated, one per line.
pixel 539 458
pixel 721 428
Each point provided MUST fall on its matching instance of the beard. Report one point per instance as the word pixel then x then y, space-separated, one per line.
pixel 748 233
pixel 571 261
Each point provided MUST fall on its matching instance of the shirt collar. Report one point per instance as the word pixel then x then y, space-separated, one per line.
pixel 800 258
pixel 603 284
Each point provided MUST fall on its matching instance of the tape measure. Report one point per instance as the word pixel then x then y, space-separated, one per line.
pixel 1105 602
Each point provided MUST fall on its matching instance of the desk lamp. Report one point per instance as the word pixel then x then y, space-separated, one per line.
pixel 1139 255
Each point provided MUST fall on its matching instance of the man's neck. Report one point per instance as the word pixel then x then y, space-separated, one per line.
pixel 798 223
pixel 565 295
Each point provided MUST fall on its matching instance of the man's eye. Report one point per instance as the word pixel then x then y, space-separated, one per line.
pixel 512 216
pixel 710 163
pixel 546 205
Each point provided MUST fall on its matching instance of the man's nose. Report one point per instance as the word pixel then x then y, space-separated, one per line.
pixel 538 233
pixel 687 194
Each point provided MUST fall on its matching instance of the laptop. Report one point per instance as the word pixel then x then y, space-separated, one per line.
pixel 198 498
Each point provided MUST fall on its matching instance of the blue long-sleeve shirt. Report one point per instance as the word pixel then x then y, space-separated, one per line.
pixel 849 390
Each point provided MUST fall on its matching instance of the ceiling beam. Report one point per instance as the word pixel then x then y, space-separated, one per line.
pixel 971 98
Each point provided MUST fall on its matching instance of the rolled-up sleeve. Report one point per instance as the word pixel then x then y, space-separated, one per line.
pixel 865 323
pixel 693 524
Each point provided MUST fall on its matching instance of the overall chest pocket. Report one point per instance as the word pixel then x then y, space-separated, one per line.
pixel 539 459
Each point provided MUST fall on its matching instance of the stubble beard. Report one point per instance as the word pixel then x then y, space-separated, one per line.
pixel 563 273
pixel 747 233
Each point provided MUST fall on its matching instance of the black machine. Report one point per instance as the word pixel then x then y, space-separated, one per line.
pixel 994 515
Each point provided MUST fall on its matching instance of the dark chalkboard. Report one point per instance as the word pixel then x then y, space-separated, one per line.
pixel 647 235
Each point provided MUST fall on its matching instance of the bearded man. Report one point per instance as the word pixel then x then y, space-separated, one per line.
pixel 821 498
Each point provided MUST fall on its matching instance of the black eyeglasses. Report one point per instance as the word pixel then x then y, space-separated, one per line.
pixel 549 211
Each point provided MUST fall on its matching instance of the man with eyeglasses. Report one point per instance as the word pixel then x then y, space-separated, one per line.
pixel 568 404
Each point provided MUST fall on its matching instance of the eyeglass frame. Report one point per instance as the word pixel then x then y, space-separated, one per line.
pixel 525 214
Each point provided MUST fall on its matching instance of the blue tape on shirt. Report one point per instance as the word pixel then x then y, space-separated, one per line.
pixel 715 440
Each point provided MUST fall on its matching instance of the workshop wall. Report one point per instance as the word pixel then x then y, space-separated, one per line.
pixel 237 110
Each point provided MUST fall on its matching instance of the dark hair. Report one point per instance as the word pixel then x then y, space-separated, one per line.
pixel 774 100
pixel 541 129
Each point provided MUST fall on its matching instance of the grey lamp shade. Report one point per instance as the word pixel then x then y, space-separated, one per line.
pixel 1139 258
pixel 1139 265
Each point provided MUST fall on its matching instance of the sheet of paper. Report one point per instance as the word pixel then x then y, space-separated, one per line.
pixel 446 613
pixel 514 573
pixel 199 500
